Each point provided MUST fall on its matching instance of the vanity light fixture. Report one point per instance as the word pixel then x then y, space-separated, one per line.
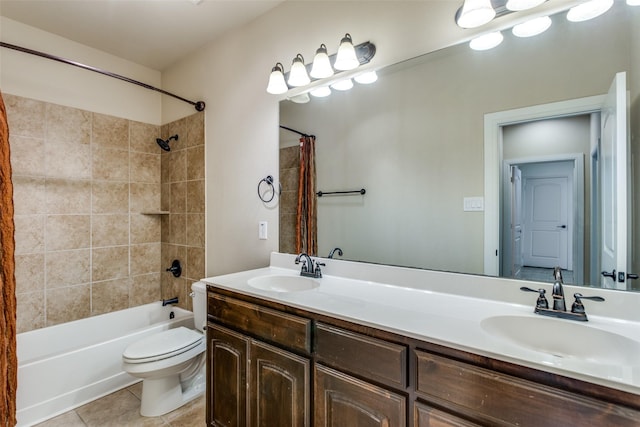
pixel 321 92
pixel 366 78
pixel 486 41
pixel 321 65
pixel 588 10
pixel 344 84
pixel 303 98
pixel 298 75
pixel 277 85
pixel 633 2
pixel 517 5
pixel 346 58
pixel 532 27
pixel 475 13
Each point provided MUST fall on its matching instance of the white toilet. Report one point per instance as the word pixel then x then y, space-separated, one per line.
pixel 171 363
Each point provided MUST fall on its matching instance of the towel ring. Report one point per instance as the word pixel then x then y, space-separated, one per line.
pixel 269 181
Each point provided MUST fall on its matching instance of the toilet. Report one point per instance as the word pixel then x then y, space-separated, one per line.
pixel 171 363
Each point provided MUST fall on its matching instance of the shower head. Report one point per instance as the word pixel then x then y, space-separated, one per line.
pixel 165 144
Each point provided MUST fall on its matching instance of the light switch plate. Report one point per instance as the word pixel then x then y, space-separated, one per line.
pixel 262 230
pixel 474 204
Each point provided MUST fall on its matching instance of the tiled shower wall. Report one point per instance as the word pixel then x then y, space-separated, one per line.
pixel 87 192
pixel 289 171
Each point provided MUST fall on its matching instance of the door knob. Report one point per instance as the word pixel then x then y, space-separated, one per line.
pixel 632 276
pixel 562 226
pixel 611 275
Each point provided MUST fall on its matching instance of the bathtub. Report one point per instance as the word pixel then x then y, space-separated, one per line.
pixel 65 366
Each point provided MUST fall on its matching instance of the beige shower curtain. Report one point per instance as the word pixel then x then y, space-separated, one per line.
pixel 8 357
pixel 306 229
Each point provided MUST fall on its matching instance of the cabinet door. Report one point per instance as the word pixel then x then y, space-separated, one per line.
pixel 279 387
pixel 341 400
pixel 227 377
pixel 426 416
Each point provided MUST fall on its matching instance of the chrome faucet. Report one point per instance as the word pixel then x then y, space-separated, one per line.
pixel 333 251
pixel 559 307
pixel 557 291
pixel 309 268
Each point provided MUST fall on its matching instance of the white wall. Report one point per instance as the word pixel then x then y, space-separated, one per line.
pixel 50 81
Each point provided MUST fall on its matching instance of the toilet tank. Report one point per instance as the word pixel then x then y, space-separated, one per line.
pixel 199 305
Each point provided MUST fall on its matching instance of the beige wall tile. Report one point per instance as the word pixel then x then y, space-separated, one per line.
pixel 165 232
pixel 195 230
pixel 64 196
pixel 178 197
pixel 145 168
pixel 110 197
pixel 289 157
pixel 165 168
pixel 109 131
pixel 68 268
pixel 145 228
pixel 29 311
pixel 144 289
pixel 195 264
pixel 26 117
pixel 165 197
pixel 145 197
pixel 194 125
pixel 110 295
pixel 28 195
pixel 145 258
pixel 29 234
pixel 67 304
pixel 67 232
pixel 64 159
pixel 67 124
pixel 195 196
pixel 178 231
pixel 110 164
pixel 29 273
pixel 27 156
pixel 143 137
pixel 109 263
pixel 110 230
pixel 195 162
pixel 178 167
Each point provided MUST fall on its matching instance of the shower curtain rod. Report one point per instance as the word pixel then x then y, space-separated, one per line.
pixel 199 105
pixel 296 131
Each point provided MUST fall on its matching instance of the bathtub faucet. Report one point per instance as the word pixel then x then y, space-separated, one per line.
pixel 166 302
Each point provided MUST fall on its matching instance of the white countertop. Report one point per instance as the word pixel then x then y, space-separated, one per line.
pixel 447 309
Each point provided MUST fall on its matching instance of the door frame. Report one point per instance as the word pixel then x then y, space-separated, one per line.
pixel 493 173
pixel 577 199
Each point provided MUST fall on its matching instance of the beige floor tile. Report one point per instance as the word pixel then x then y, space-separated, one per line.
pixel 192 414
pixel 68 419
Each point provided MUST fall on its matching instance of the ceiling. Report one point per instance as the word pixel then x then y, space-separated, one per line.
pixel 153 33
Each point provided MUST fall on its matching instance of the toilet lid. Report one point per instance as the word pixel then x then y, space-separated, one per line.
pixel 162 345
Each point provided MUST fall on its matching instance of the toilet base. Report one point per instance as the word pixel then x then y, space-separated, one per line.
pixel 163 395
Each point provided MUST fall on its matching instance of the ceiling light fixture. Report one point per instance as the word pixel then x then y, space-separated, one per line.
pixel 633 2
pixel 475 13
pixel 277 85
pixel 298 75
pixel 346 59
pixel 487 41
pixel 343 85
pixel 517 5
pixel 589 10
pixel 366 78
pixel 321 92
pixel 321 65
pixel 532 27
pixel 303 98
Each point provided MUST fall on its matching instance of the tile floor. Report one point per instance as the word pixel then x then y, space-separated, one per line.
pixel 122 408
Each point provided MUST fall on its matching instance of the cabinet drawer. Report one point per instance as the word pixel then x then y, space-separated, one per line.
pixel 358 354
pixel 426 416
pixel 269 325
pixel 498 399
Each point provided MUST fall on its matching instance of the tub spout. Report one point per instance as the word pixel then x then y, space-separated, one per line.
pixel 169 301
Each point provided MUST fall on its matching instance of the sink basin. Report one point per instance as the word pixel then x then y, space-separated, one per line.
pixel 278 283
pixel 564 339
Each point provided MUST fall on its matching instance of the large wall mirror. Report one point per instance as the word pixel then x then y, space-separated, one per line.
pixel 415 140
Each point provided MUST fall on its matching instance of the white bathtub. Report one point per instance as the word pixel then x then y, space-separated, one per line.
pixel 64 366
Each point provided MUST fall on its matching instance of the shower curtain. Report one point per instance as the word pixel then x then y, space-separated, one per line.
pixel 8 357
pixel 306 229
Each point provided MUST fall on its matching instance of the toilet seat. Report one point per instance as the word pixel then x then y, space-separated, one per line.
pixel 162 345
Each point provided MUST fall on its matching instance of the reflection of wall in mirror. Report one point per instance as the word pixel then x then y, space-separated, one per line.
pixel 414 139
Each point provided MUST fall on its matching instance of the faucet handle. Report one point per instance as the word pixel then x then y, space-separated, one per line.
pixel 542 299
pixel 318 272
pixel 578 307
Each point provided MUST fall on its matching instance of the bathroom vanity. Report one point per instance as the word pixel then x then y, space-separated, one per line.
pixel 336 351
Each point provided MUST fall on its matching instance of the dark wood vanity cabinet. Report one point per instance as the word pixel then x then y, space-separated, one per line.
pixel 274 365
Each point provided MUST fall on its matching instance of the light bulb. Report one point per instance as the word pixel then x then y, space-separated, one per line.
pixel 366 78
pixel 516 5
pixel 487 41
pixel 633 2
pixel 345 84
pixel 298 75
pixel 475 13
pixel 588 10
pixel 532 27
pixel 277 84
pixel 303 98
pixel 346 58
pixel 321 65
pixel 321 92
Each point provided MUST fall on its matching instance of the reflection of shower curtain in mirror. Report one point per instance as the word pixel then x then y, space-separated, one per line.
pixel 306 228
pixel 8 358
